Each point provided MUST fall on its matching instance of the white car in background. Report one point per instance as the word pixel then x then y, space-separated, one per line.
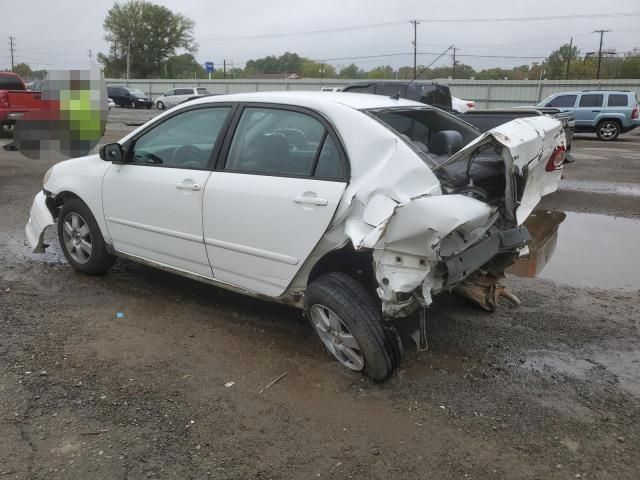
pixel 355 208
pixel 110 103
pixel 462 106
pixel 178 95
pixel 331 89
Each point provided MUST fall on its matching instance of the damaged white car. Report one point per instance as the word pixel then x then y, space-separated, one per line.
pixel 356 208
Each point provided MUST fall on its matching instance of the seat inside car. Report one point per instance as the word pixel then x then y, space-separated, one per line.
pixel 272 154
pixel 445 142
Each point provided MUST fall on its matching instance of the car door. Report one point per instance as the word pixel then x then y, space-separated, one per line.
pixel 169 99
pixel 272 196
pixel 153 202
pixel 563 102
pixel 589 110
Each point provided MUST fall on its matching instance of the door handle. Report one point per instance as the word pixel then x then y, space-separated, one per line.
pixel 188 186
pixel 321 202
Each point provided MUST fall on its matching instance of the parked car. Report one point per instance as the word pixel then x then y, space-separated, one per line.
pixel 15 100
pixel 355 208
pixel 486 119
pixel 129 97
pixel 331 89
pixel 605 112
pixel 461 106
pixel 110 103
pixel 178 95
pixel 422 91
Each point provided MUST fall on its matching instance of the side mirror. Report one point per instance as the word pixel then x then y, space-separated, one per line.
pixel 112 152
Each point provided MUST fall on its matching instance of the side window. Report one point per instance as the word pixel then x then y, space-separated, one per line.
pixel 563 101
pixel 390 89
pixel 182 141
pixel 329 164
pixel 591 100
pixel 617 100
pixel 275 141
pixel 184 91
pixel 170 93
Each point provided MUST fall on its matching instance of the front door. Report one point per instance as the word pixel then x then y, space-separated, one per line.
pixel 271 202
pixel 153 203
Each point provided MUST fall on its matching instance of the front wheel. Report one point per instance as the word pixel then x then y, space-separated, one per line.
pixel 81 240
pixel 349 322
pixel 608 130
pixel 160 106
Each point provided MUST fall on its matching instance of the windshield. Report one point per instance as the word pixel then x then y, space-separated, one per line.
pixel 136 92
pixel 433 134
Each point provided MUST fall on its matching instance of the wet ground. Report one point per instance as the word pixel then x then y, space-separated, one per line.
pixel 170 387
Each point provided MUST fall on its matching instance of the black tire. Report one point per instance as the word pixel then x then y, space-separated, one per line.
pixel 378 340
pixel 160 106
pixel 99 260
pixel 608 130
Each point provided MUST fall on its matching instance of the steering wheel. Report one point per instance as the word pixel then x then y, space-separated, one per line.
pixel 295 137
pixel 187 156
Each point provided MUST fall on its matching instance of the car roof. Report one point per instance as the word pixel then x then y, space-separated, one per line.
pixel 578 92
pixel 314 99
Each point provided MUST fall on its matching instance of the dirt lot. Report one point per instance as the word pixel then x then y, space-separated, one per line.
pixel 549 390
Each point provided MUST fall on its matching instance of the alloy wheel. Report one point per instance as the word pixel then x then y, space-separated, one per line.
pixel 337 337
pixel 608 130
pixel 77 237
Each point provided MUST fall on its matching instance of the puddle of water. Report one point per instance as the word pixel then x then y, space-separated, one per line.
pixel 583 250
pixel 625 366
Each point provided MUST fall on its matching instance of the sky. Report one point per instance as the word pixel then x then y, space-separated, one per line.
pixel 58 34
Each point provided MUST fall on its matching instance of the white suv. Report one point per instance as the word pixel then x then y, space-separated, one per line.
pixel 178 95
pixel 355 208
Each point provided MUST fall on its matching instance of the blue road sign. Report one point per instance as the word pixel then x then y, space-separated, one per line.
pixel 209 67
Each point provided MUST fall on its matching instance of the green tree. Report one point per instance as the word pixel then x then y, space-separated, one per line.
pixel 183 66
pixel 557 61
pixel 350 71
pixel 630 67
pixel 382 72
pixel 286 63
pixel 151 33
pixel 23 70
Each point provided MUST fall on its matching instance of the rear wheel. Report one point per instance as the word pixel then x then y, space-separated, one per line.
pixel 349 322
pixel 608 130
pixel 160 106
pixel 81 240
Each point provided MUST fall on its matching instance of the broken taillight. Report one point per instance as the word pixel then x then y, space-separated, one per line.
pixel 634 113
pixel 4 100
pixel 471 104
pixel 556 159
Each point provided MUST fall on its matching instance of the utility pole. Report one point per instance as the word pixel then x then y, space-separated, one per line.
pixel 90 54
pixel 601 32
pixel 224 69
pixel 566 77
pixel 12 47
pixel 128 58
pixel 453 72
pixel 415 47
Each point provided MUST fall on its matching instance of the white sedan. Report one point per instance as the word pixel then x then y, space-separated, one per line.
pixel 356 208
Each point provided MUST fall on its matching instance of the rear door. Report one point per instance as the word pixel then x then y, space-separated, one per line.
pixel 271 198
pixel 589 110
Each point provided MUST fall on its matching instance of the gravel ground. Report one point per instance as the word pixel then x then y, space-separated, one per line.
pixel 547 390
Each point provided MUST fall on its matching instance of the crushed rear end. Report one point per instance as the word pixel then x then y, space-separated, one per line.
pixel 463 231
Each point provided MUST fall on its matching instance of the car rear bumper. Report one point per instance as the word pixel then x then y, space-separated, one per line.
pixel 40 219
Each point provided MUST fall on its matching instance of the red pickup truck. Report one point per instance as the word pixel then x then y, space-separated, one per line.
pixel 15 100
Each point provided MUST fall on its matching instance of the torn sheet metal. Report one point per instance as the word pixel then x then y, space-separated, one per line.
pixel 399 211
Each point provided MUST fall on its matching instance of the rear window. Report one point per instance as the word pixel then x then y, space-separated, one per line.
pixel 391 89
pixel 436 95
pixel 11 82
pixel 563 101
pixel 618 100
pixel 203 91
pixel 360 89
pixel 591 100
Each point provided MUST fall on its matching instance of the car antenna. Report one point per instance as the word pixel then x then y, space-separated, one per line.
pixel 396 96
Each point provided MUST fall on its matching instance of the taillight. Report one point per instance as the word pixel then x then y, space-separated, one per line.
pixel 556 159
pixel 634 113
pixel 4 100
pixel 471 104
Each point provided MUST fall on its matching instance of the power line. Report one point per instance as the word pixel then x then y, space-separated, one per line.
pixel 531 19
